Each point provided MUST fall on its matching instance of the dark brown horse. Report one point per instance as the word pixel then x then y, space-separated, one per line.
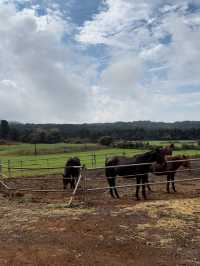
pixel 138 171
pixel 71 172
pixel 173 164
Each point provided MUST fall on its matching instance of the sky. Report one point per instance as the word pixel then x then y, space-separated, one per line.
pixel 88 61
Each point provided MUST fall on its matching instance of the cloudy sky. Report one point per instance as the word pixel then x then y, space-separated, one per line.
pixel 77 61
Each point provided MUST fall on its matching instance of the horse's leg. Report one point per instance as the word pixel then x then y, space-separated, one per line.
pixel 168 182
pixel 72 182
pixel 144 181
pixel 111 182
pixel 173 183
pixel 115 189
pixel 138 180
pixel 148 186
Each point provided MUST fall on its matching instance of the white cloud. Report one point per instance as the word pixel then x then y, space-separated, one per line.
pixel 121 78
pixel 107 25
pixel 152 50
pixel 39 79
pixel 140 64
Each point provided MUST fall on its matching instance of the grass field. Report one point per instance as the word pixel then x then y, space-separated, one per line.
pixel 55 156
pixel 25 149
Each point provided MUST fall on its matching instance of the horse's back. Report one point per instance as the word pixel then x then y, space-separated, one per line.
pixel 73 161
pixel 69 166
pixel 117 165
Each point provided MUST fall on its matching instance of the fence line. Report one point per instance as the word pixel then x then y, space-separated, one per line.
pixel 68 156
pixel 97 168
pixel 83 176
pixel 124 176
pixel 154 183
pixel 138 164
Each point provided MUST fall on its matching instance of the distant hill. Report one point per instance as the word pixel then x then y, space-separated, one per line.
pixel 136 130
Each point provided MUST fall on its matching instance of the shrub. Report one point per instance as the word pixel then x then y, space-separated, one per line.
pixel 106 140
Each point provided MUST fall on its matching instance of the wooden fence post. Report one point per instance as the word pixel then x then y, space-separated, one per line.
pixel 95 162
pixel 21 166
pixel 47 167
pixel 9 168
pixel 92 159
pixel 84 173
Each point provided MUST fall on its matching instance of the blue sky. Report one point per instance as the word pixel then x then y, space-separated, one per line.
pixel 99 61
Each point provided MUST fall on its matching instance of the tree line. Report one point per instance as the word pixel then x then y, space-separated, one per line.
pixel 133 131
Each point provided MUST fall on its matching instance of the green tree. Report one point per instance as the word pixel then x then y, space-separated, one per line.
pixel 54 136
pixel 4 129
pixel 14 133
pixel 106 140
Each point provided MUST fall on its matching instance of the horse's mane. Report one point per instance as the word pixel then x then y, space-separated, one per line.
pixel 145 157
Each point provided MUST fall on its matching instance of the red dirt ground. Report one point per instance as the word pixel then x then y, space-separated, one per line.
pixel 40 230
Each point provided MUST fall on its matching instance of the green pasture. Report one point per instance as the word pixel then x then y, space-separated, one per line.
pixel 26 149
pixel 19 159
pixel 39 164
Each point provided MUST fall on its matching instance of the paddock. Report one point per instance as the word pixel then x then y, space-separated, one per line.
pixel 92 185
pixel 36 228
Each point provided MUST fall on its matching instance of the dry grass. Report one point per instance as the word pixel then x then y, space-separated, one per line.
pixel 171 218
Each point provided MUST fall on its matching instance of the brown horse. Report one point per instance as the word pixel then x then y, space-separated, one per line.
pixel 173 163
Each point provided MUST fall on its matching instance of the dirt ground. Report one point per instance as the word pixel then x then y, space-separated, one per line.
pixel 41 230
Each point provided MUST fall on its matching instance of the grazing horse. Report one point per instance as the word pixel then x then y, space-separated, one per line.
pixel 173 163
pixel 71 173
pixel 113 169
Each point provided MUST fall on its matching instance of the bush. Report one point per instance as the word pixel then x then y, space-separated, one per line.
pixel 106 140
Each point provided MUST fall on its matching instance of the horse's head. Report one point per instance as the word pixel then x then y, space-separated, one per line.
pixel 168 150
pixel 159 156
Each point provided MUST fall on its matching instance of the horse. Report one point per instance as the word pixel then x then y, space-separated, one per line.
pixel 113 169
pixel 173 164
pixel 167 150
pixel 71 173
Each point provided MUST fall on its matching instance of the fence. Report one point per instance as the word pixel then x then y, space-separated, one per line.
pixel 89 180
pixel 23 167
